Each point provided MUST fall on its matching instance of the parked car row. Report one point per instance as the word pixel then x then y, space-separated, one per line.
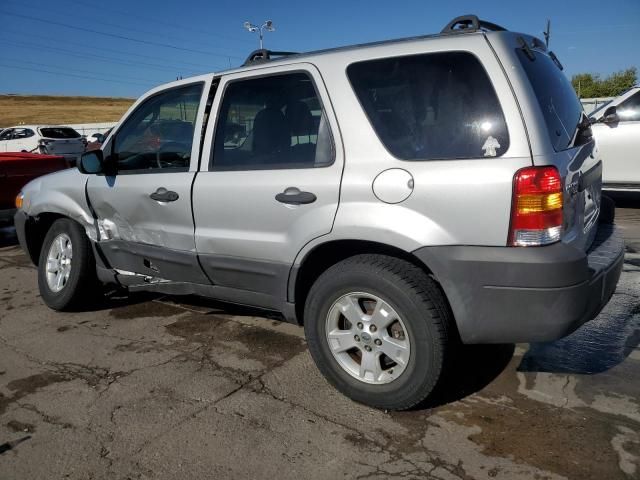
pixel 49 140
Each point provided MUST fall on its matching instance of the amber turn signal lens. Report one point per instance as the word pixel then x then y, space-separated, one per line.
pixel 19 199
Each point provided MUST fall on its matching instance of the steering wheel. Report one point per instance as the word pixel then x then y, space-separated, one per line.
pixel 178 150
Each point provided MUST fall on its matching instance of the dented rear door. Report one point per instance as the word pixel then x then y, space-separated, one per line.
pixel 143 211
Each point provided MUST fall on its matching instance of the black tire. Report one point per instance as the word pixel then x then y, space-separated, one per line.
pixel 416 298
pixel 82 284
pixel 607 210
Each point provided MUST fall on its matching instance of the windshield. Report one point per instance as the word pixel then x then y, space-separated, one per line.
pixel 558 101
pixel 59 132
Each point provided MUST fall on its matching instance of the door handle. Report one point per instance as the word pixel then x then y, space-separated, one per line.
pixel 293 196
pixel 164 195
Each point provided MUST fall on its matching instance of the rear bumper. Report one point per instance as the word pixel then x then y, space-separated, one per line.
pixel 505 295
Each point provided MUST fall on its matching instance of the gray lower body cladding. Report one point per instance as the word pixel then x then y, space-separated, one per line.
pixel 153 261
pixel 20 223
pixel 518 294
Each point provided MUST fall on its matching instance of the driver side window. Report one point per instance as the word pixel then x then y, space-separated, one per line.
pixel 158 136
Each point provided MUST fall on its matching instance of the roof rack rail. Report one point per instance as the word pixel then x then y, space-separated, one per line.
pixel 470 24
pixel 264 55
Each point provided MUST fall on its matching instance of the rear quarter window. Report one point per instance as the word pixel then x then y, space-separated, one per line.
pixel 59 132
pixel 435 106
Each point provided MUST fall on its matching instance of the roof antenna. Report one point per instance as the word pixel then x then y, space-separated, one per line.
pixel 547 33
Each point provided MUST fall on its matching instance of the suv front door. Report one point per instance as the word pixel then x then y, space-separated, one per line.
pixel 143 211
pixel 270 179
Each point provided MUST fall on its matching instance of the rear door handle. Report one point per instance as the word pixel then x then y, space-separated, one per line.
pixel 164 195
pixel 293 196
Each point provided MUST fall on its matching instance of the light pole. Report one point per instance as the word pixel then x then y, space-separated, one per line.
pixel 268 26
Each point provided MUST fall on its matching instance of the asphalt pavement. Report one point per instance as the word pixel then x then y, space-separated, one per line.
pixel 150 387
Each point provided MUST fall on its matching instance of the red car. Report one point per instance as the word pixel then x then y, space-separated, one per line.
pixel 16 169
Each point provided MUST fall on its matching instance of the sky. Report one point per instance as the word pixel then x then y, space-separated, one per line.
pixel 125 47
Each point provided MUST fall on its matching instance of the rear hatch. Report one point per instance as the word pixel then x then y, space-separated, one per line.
pixel 567 129
pixel 61 141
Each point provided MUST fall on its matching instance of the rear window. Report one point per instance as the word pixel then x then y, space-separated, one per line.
pixel 558 101
pixel 435 106
pixel 59 132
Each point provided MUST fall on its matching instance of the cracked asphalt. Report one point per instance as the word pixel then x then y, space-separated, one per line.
pixel 149 387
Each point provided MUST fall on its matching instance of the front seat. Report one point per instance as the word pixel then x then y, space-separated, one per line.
pixel 301 126
pixel 270 132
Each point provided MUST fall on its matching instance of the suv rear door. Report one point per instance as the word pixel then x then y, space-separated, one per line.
pixel 270 177
pixel 144 211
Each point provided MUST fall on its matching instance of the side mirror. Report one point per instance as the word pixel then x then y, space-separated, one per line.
pixel 91 162
pixel 610 115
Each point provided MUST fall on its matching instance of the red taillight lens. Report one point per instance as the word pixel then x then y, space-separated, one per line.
pixel 536 211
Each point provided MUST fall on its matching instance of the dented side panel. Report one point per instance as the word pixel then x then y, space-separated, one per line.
pixel 126 211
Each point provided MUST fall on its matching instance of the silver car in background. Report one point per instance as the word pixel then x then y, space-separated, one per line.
pixel 616 128
pixel 45 139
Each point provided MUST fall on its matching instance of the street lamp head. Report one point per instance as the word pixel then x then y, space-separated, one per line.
pixel 268 25
pixel 250 27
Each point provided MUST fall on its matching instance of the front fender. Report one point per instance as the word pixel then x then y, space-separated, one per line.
pixel 61 193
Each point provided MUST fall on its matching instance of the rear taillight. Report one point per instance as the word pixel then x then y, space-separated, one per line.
pixel 536 210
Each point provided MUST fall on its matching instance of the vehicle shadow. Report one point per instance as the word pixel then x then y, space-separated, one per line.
pixel 115 298
pixel 8 236
pixel 624 199
pixel 473 367
pixel 596 347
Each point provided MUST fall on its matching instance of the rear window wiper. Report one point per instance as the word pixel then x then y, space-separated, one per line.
pixel 524 46
pixel 555 60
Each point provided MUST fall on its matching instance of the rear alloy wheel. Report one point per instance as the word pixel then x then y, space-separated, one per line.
pixel 379 330
pixel 66 268
pixel 368 338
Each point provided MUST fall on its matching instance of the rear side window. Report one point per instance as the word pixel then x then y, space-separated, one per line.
pixel 59 132
pixel 435 106
pixel 558 101
pixel 272 122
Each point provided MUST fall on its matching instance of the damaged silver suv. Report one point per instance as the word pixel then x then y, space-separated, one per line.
pixel 395 198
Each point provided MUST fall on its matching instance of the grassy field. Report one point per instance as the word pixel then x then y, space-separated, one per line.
pixel 41 109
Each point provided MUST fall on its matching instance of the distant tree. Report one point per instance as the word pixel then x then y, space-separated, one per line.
pixel 589 85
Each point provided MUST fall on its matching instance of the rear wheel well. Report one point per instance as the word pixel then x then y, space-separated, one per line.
pixel 328 254
pixel 36 229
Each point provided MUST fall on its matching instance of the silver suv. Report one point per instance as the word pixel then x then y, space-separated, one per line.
pixel 395 198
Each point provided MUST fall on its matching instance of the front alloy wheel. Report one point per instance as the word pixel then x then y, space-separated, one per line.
pixel 59 262
pixel 66 267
